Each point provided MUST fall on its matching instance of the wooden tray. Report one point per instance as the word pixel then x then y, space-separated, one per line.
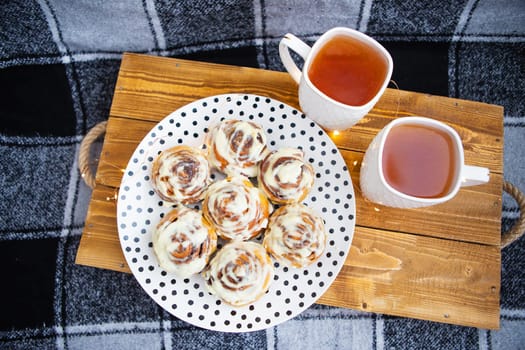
pixel 440 263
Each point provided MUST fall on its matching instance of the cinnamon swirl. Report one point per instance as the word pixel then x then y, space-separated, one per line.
pixel 240 273
pixel 237 209
pixel 295 236
pixel 183 241
pixel 236 147
pixel 285 177
pixel 181 174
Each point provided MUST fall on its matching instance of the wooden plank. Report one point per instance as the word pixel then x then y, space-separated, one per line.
pixel 419 277
pixel 118 148
pixel 473 215
pixel 149 88
pixel 99 245
pixel 405 275
pixel 479 125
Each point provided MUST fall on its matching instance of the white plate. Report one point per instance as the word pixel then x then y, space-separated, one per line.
pixel 139 210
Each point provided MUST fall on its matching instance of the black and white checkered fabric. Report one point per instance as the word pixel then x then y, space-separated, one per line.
pixel 58 65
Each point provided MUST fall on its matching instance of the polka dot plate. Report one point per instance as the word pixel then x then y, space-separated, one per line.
pixel 293 290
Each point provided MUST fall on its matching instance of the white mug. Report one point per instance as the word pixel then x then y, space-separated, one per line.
pixel 326 111
pixel 375 187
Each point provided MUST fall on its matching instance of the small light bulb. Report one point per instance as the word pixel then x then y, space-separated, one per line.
pixel 336 132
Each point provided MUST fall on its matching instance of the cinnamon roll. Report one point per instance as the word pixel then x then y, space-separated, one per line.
pixel 236 147
pixel 295 236
pixel 184 241
pixel 240 273
pixel 237 209
pixel 285 177
pixel 181 174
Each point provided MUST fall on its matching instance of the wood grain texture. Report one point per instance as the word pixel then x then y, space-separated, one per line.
pixel 473 215
pixel 419 277
pixel 156 87
pixel 479 125
pixel 440 263
pixel 408 275
pixel 99 245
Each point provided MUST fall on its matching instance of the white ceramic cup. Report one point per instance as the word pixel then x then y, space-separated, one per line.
pixel 375 188
pixel 327 112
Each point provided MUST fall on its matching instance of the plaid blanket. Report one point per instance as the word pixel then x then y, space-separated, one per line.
pixel 58 65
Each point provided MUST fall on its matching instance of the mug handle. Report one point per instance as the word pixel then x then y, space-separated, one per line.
pixel 290 41
pixel 474 175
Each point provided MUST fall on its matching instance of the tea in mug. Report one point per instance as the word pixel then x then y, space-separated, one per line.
pixel 419 161
pixel 348 70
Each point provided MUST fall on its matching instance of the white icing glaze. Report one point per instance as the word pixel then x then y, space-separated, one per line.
pixel 237 209
pixel 289 172
pixel 235 156
pixel 285 176
pixel 182 176
pixel 178 242
pixel 239 273
pixel 295 235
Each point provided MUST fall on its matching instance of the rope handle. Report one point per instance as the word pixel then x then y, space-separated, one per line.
pixel 518 229
pixel 84 165
pixel 84 155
